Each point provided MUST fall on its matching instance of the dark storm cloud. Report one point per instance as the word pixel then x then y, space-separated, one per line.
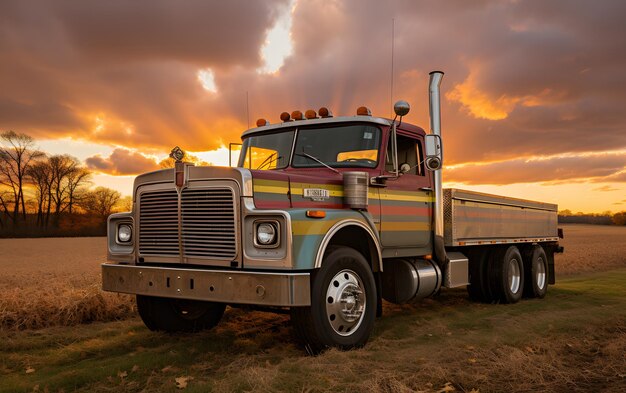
pixel 523 78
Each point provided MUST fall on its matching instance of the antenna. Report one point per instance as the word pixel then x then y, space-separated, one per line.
pixel 393 27
pixel 247 110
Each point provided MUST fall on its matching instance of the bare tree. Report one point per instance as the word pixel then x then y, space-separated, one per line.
pixel 100 202
pixel 76 178
pixel 17 152
pixel 61 167
pixel 40 176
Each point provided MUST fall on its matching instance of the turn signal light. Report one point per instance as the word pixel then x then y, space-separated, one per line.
pixel 363 111
pixel 325 112
pixel 262 122
pixel 310 114
pixel 285 116
pixel 315 213
pixel 297 115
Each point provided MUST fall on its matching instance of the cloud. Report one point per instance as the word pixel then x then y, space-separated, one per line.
pixel 122 162
pixel 606 189
pixel 596 168
pixel 523 79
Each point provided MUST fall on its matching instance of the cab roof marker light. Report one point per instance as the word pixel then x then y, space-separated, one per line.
pixel 297 115
pixel 310 114
pixel 325 112
pixel 262 122
pixel 285 117
pixel 363 111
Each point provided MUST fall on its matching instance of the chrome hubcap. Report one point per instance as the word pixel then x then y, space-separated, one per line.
pixel 541 274
pixel 514 275
pixel 345 302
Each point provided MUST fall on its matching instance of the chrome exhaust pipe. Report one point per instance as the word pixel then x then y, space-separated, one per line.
pixel 435 128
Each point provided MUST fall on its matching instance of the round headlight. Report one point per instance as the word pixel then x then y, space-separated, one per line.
pixel 124 233
pixel 265 234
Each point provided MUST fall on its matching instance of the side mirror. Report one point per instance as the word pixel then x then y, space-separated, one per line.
pixel 434 154
pixel 232 148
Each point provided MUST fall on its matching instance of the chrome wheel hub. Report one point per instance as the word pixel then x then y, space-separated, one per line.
pixel 345 302
pixel 541 274
pixel 515 275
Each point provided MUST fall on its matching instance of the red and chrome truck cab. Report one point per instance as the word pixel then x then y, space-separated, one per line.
pixel 324 216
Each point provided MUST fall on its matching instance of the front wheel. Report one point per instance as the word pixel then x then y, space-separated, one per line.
pixel 178 315
pixel 343 303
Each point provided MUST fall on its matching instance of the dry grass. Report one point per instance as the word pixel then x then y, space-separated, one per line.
pixel 56 281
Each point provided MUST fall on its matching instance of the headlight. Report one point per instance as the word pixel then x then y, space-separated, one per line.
pixel 124 233
pixel 266 234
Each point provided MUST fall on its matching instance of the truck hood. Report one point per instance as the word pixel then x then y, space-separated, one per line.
pixel 239 175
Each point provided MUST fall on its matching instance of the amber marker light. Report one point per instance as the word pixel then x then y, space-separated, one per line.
pixel 428 257
pixel 363 111
pixel 325 112
pixel 285 116
pixel 310 114
pixel 262 122
pixel 316 213
pixel 297 115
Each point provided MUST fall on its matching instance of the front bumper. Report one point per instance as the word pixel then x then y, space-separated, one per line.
pixel 224 286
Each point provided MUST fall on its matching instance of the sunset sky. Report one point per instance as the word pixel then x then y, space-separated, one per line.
pixel 534 97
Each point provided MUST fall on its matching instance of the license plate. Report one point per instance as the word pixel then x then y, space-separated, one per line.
pixel 316 193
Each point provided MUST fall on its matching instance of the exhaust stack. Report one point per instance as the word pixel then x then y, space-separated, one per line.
pixel 435 128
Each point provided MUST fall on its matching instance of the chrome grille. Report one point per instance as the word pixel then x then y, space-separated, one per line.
pixel 208 223
pixel 158 223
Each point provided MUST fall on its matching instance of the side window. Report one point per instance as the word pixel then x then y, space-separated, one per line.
pixel 409 152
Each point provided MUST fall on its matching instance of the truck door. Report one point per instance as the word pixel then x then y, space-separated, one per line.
pixel 406 202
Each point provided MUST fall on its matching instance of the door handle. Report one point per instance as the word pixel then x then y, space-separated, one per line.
pixel 426 189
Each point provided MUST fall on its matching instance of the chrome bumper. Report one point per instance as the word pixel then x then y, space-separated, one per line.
pixel 236 287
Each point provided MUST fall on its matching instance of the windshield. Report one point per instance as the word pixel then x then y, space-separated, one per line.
pixel 345 146
pixel 270 151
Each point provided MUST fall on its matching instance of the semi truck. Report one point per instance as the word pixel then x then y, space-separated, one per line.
pixel 323 217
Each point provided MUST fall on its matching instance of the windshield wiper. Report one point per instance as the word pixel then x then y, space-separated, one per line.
pixel 307 155
pixel 269 160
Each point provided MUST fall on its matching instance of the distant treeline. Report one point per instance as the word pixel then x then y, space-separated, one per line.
pixel 50 195
pixel 606 218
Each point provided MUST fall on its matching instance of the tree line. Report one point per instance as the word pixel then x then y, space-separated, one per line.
pixel 43 194
pixel 606 218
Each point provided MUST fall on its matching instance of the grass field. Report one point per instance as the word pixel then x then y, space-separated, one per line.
pixel 574 340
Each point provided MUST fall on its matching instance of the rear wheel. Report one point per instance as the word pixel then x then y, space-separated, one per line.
pixel 536 269
pixel 178 315
pixel 507 275
pixel 478 289
pixel 343 303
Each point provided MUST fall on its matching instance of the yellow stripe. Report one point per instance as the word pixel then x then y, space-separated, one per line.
pixel 280 187
pixel 311 227
pixel 405 197
pixel 271 190
pixel 405 226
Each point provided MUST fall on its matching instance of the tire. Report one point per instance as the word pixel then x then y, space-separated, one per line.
pixel 537 273
pixel 329 321
pixel 507 275
pixel 478 289
pixel 178 315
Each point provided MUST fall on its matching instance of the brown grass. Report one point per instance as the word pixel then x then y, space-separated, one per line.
pixel 56 281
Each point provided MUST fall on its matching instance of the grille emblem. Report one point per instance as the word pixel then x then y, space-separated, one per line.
pixel 177 154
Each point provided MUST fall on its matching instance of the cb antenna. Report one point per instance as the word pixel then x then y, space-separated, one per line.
pixel 393 26
pixel 247 110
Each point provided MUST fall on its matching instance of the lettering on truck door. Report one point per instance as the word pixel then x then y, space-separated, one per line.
pixel 405 205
